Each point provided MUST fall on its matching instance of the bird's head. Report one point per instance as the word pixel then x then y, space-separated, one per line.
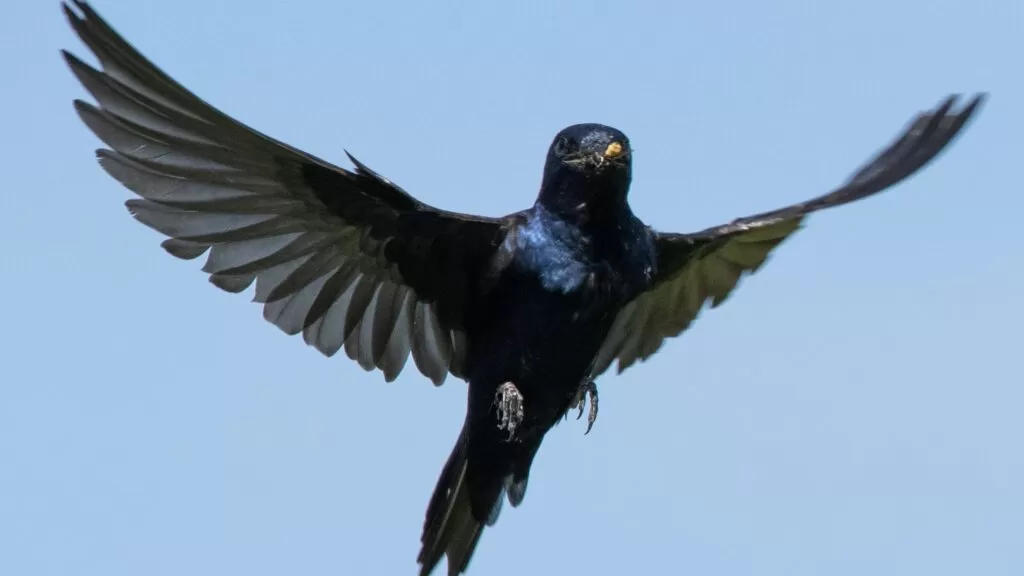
pixel 588 165
pixel 590 149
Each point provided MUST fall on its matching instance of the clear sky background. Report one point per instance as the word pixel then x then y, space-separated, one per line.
pixel 855 408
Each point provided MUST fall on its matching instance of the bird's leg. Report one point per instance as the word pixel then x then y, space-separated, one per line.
pixel 509 402
pixel 588 389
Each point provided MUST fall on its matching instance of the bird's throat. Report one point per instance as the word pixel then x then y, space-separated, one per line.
pixel 585 200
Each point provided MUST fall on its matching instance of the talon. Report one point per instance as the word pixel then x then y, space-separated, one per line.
pixel 509 403
pixel 592 416
pixel 587 390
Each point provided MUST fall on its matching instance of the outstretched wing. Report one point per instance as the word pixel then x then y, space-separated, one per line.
pixel 347 258
pixel 706 266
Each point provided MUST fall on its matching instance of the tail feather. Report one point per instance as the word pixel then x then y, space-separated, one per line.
pixel 451 528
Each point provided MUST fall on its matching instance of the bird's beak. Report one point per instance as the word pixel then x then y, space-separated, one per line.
pixel 613 151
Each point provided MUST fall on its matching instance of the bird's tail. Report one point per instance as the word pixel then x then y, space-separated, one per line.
pixel 451 528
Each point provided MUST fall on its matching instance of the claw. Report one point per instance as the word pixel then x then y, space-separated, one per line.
pixel 509 403
pixel 587 390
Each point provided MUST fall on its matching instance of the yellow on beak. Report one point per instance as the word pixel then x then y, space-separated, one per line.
pixel 614 150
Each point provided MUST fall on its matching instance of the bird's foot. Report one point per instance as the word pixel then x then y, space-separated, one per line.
pixel 587 389
pixel 509 402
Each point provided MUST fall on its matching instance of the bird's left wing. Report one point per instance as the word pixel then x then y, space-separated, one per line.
pixel 702 267
pixel 347 258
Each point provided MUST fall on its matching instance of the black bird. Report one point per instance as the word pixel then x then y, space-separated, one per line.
pixel 529 308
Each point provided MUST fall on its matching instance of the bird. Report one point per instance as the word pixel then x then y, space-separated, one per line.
pixel 529 308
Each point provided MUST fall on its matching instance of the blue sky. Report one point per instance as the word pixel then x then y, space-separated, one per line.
pixel 854 409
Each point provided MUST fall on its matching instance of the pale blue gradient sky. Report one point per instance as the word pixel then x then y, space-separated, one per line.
pixel 854 409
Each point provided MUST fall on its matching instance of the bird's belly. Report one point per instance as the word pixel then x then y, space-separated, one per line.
pixel 543 343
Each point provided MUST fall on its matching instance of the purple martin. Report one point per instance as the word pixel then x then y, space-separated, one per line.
pixel 529 308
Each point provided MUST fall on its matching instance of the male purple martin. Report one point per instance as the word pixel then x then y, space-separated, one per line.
pixel 528 308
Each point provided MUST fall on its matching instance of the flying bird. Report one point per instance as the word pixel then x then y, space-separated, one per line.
pixel 528 308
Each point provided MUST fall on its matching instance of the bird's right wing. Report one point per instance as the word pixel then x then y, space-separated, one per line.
pixel 347 258
pixel 701 267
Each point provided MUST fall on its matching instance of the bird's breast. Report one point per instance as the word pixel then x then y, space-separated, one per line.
pixel 610 264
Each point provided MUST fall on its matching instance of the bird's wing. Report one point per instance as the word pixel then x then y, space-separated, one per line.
pixel 705 266
pixel 345 257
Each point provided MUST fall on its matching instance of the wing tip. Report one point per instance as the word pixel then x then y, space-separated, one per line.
pixel 974 106
pixel 69 12
pixel 977 99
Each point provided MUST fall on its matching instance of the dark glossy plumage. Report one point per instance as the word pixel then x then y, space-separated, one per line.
pixel 543 300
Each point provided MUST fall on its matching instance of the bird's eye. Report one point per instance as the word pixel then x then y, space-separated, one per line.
pixel 562 146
